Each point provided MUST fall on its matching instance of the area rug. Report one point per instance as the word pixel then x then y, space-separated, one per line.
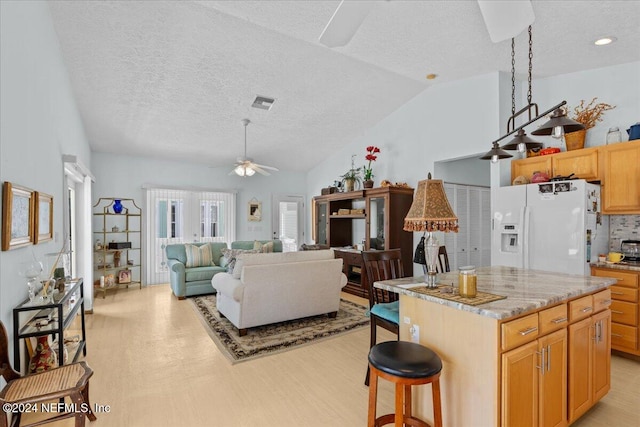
pixel 277 337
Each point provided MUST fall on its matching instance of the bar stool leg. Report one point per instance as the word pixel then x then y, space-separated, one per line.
pixel 437 409
pixel 399 405
pixel 407 400
pixel 373 398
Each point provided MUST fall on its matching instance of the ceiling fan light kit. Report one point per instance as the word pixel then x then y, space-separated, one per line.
pixel 245 165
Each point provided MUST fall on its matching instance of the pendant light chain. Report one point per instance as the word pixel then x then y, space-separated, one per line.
pixel 530 65
pixel 513 76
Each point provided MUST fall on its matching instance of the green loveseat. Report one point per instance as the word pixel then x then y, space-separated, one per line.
pixel 195 280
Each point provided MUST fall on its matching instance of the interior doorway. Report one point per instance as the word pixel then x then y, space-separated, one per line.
pixel 288 221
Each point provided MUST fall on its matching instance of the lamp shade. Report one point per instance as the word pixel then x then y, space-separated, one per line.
pixel 496 154
pixel 430 210
pixel 558 119
pixel 521 138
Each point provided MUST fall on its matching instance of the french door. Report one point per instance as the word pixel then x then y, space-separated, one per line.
pixel 183 216
pixel 288 221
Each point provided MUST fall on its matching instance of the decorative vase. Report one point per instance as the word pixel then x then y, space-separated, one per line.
pixel 44 358
pixel 117 206
pixel 575 140
pixel 368 183
pixel 349 184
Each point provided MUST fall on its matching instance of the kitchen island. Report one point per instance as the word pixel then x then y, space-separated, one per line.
pixel 492 353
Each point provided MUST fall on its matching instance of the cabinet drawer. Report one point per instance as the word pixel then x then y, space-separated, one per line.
pixel 624 312
pixel 624 279
pixel 624 337
pixel 552 319
pixel 624 294
pixel 580 308
pixel 601 300
pixel 353 258
pixel 520 331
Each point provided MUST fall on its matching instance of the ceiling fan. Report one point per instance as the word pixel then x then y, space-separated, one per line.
pixel 244 165
pixel 503 19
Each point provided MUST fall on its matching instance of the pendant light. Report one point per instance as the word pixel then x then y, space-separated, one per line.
pixel 495 154
pixel 558 125
pixel 521 141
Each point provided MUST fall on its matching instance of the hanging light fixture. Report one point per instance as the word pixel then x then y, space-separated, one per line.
pixel 557 125
pixel 521 141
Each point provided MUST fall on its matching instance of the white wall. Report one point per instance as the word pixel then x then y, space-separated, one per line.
pixel 123 176
pixel 39 122
pixel 443 122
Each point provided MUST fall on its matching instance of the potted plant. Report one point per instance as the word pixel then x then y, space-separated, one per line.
pixel 368 171
pixel 352 177
pixel 588 115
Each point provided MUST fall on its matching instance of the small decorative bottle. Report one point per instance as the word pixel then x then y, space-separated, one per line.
pixel 117 206
pixel 614 135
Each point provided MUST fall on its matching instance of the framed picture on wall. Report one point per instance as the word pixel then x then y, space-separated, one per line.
pixel 44 217
pixel 255 210
pixel 17 216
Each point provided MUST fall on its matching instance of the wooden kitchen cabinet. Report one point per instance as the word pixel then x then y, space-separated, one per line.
pixel 625 310
pixel 589 359
pixel 530 165
pixel 534 374
pixel 620 164
pixel 583 164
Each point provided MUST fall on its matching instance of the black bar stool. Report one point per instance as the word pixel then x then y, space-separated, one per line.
pixel 405 364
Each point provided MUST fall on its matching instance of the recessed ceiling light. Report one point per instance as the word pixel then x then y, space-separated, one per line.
pixel 431 76
pixel 263 102
pixel 605 41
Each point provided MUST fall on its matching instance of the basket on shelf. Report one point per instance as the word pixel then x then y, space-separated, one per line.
pixel 575 140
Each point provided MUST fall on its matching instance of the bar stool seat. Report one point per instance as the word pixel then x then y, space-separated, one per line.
pixel 405 364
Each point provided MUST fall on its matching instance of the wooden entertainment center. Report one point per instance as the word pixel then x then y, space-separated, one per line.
pixel 376 215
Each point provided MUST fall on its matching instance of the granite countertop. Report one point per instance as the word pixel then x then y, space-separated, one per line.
pixel 618 266
pixel 526 290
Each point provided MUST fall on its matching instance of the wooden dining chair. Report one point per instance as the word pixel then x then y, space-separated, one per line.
pixel 443 260
pixel 383 305
pixel 70 381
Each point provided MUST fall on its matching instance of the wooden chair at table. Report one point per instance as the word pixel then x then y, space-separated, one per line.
pixel 383 305
pixel 45 387
pixel 443 260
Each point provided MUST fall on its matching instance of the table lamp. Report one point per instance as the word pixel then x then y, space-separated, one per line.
pixel 429 212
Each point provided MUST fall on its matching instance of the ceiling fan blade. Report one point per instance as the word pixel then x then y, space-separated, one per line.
pixel 506 19
pixel 267 167
pixel 258 169
pixel 344 23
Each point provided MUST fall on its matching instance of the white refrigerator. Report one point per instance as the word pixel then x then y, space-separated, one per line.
pixel 552 226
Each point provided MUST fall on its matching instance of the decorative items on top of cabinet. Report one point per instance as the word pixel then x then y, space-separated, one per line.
pixel 369 219
pixel 117 229
pixel 582 163
pixel 620 164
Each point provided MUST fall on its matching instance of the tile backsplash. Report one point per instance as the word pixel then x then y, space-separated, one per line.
pixel 623 227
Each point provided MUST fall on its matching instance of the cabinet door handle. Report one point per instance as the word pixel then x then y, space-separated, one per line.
pixel 528 330
pixel 617 312
pixel 617 293
pixel 548 358
pixel 606 301
pixel 541 367
pixel 586 309
pixel 559 320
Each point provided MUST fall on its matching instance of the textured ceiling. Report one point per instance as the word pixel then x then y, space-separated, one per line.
pixel 174 79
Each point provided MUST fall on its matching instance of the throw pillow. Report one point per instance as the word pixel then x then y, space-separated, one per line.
pixel 267 248
pixel 198 256
pixel 231 256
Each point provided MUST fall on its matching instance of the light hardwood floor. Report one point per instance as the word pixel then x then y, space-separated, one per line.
pixel 155 365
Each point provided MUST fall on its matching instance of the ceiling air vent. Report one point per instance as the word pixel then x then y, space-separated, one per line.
pixel 263 102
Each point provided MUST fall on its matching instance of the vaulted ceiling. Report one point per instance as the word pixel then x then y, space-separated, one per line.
pixel 173 79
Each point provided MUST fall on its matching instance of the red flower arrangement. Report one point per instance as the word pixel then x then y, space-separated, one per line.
pixel 371 157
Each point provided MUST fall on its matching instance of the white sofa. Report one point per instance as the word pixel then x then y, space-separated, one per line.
pixel 274 287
